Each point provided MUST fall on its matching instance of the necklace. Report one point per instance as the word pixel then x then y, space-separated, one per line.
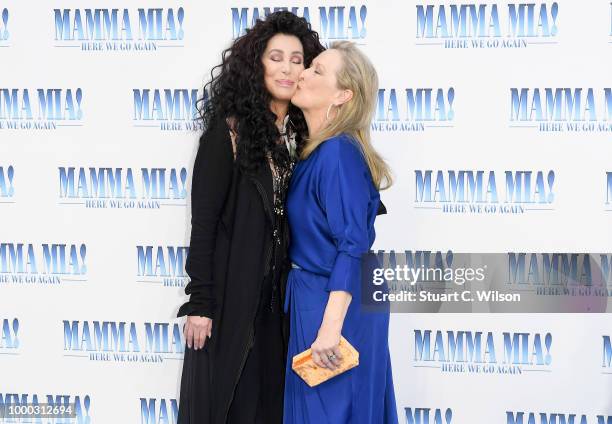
pixel 281 176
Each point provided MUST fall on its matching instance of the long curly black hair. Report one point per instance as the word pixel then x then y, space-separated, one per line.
pixel 236 89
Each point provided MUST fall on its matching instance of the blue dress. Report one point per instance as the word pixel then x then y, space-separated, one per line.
pixel 331 205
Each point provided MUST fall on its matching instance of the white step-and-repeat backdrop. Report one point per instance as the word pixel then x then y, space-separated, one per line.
pixel 496 118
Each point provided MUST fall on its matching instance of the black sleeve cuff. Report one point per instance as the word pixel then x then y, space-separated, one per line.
pixel 201 300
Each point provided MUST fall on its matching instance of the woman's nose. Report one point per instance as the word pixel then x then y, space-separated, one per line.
pixel 286 68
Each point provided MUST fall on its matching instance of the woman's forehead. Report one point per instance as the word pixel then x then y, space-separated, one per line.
pixel 329 58
pixel 285 43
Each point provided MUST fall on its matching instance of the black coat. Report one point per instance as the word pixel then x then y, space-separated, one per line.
pixel 229 256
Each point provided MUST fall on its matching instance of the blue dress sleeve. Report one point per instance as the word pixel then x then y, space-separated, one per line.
pixel 345 197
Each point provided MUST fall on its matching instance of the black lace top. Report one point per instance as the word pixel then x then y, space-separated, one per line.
pixel 281 175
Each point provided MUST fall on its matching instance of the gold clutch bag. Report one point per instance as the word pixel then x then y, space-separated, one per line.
pixel 312 374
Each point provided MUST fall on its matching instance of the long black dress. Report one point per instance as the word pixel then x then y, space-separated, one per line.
pixel 237 379
pixel 259 394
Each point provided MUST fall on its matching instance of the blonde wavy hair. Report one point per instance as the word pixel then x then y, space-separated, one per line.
pixel 355 116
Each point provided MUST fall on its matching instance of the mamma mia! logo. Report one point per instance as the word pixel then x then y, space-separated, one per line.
pixel 561 109
pixel 417 109
pixel 7 181
pixel 428 415
pixel 162 265
pixel 333 23
pixel 484 25
pixel 79 405
pixel 526 417
pixel 119 29
pixel 560 274
pixel 5 34
pixel 123 341
pixel 9 340
pixel 158 410
pixel 479 352
pixel 166 109
pixel 122 188
pixel 476 191
pixel 40 108
pixel 46 263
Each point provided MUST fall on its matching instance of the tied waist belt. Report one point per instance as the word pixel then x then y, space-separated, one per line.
pixel 290 288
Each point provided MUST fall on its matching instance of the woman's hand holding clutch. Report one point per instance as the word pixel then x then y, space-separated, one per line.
pixel 325 349
pixel 312 374
pixel 330 354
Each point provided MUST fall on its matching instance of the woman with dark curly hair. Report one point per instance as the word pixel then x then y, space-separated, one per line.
pixel 233 370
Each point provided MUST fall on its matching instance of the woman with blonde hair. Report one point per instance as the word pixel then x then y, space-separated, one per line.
pixel 332 203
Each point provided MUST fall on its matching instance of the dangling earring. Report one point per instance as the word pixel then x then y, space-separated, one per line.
pixel 328 109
